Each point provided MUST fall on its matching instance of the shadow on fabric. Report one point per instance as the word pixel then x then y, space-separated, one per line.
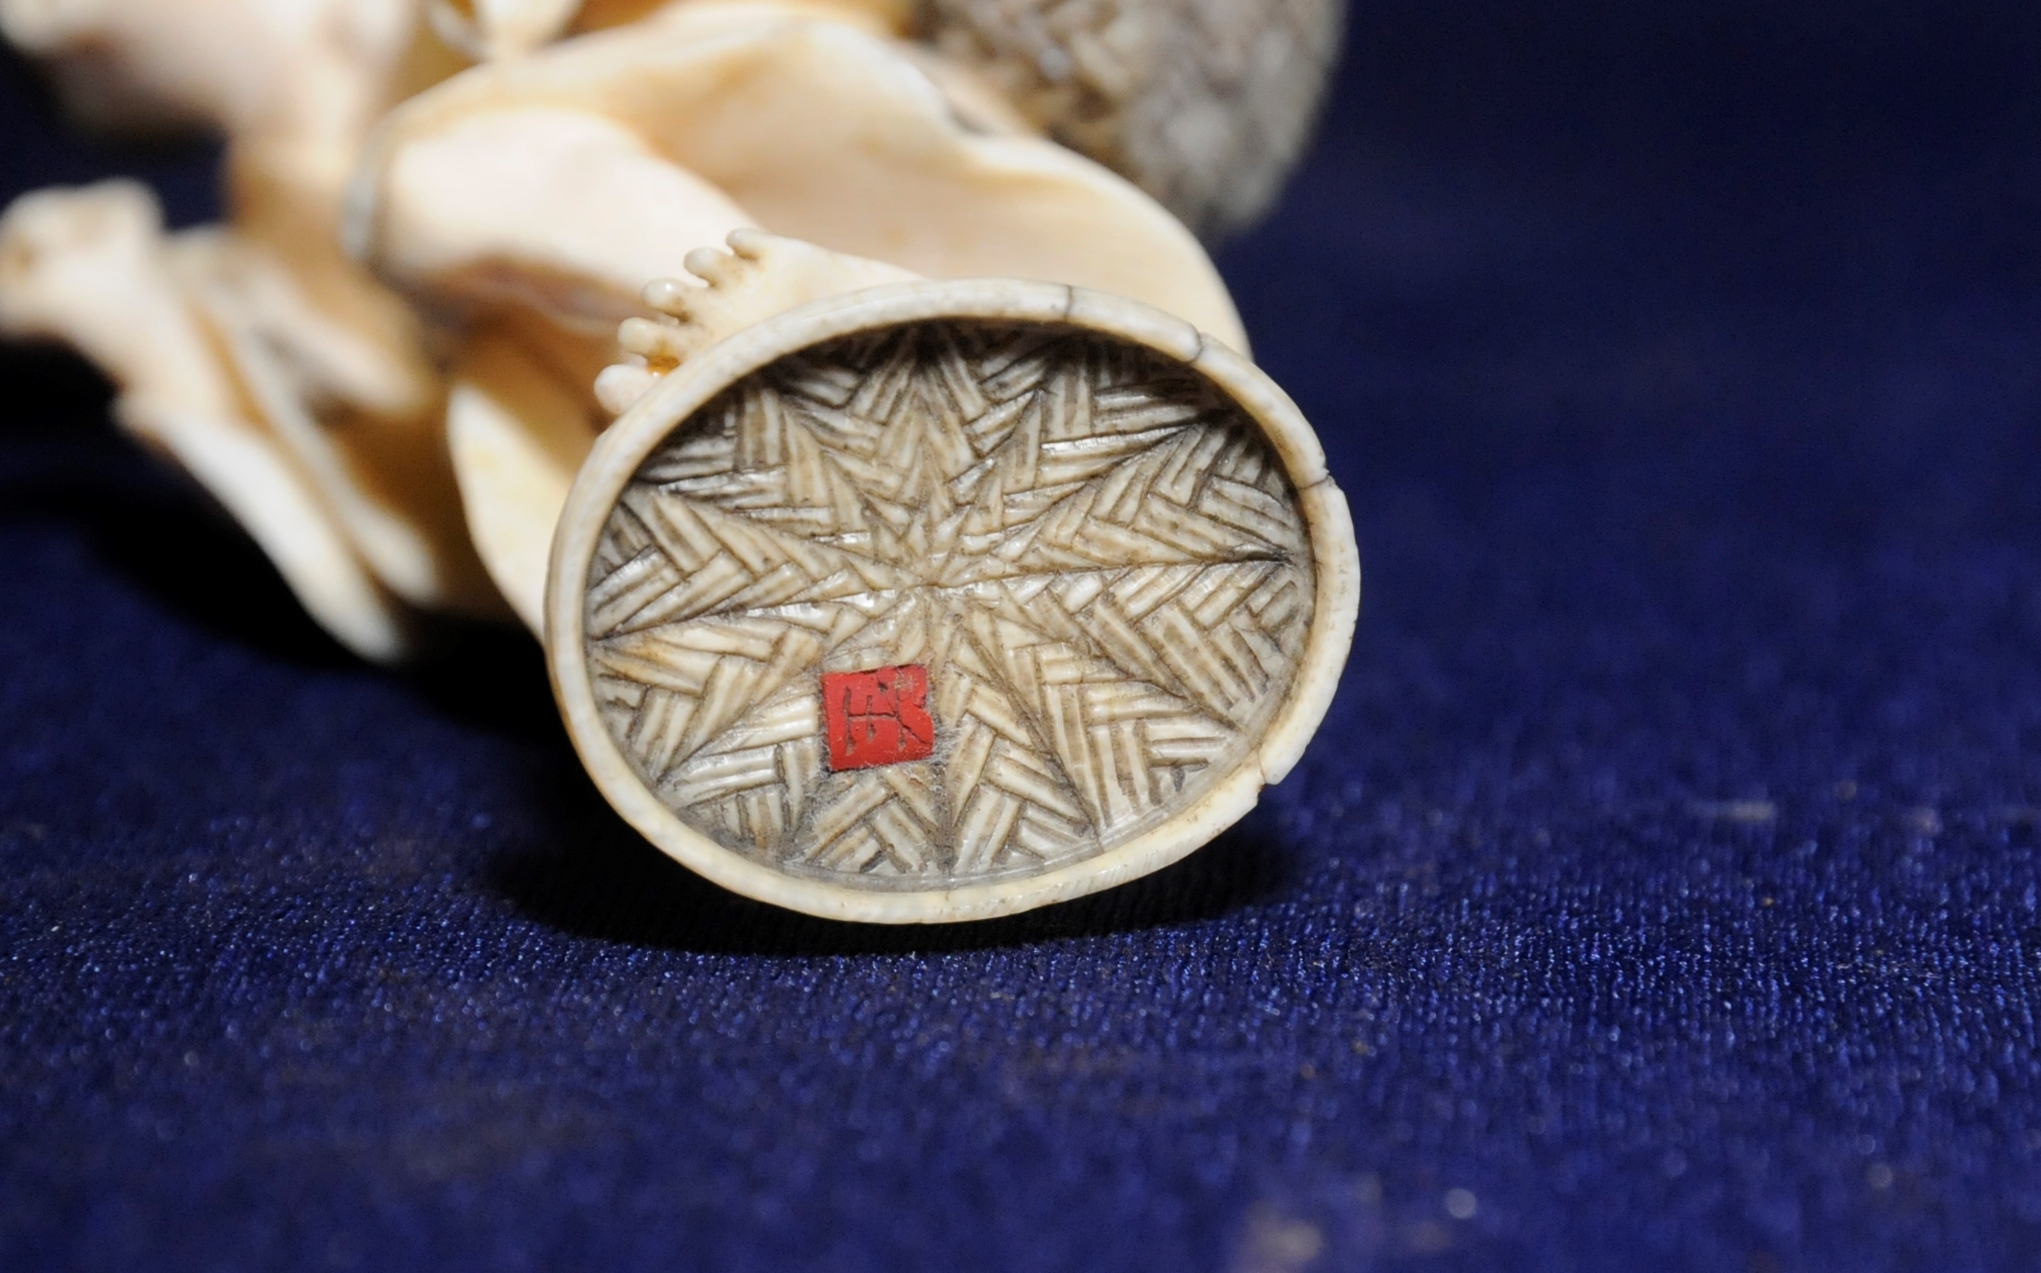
pixel 603 880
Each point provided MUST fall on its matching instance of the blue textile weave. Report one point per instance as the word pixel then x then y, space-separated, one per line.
pixel 1661 893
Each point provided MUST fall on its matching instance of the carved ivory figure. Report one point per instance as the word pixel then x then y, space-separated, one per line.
pixel 887 598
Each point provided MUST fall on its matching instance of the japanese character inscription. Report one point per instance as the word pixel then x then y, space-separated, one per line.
pixel 877 718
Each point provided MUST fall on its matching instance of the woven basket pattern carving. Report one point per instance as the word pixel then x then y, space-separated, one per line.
pixel 1097 559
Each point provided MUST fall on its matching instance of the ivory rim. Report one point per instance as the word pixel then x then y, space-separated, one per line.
pixel 621 450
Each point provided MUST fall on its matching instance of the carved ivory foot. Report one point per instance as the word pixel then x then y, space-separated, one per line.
pixel 943 600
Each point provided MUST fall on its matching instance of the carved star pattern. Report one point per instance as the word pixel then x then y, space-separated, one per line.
pixel 1098 559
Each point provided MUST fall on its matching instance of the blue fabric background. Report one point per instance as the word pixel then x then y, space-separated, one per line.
pixel 1660 894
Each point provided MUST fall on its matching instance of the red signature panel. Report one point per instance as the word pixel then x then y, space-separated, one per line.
pixel 878 717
